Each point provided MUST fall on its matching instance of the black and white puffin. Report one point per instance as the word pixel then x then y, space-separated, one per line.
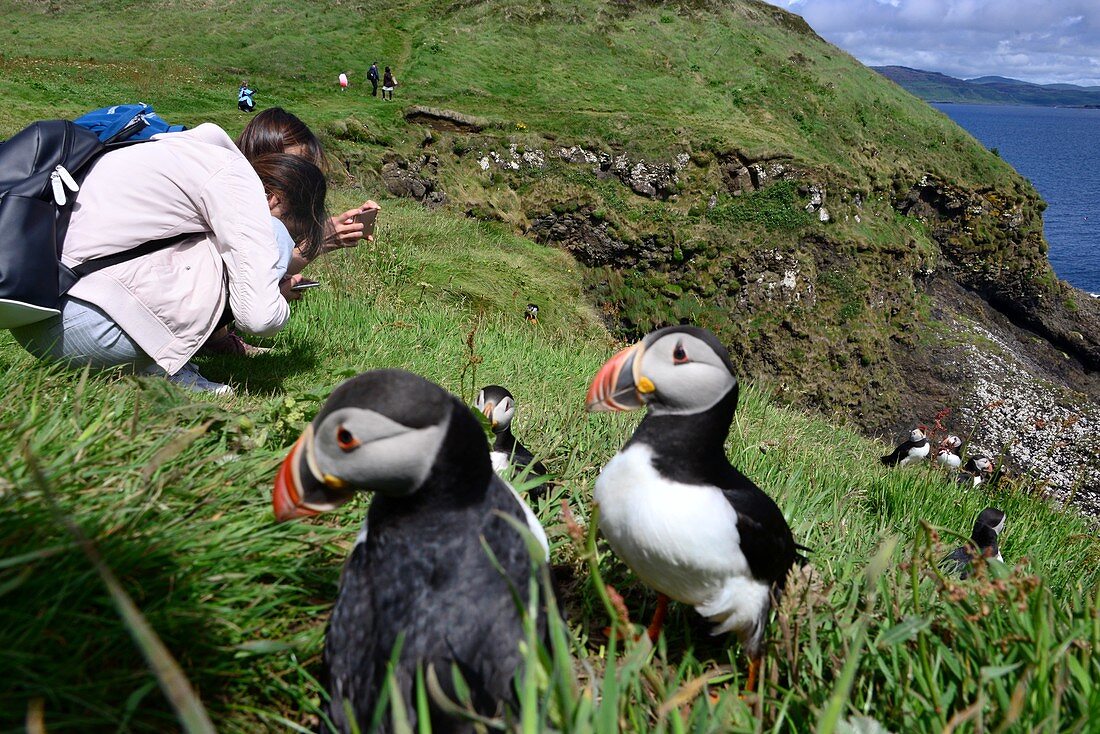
pixel 671 506
pixel 531 313
pixel 914 449
pixel 419 570
pixel 948 453
pixel 976 470
pixel 507 454
pixel 983 542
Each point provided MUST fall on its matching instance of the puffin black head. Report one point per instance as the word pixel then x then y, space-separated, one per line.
pixel 380 432
pixel 498 405
pixel 989 525
pixel 991 519
pixel 678 369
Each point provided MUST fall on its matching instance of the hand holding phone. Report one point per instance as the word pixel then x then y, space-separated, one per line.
pixel 304 285
pixel 366 217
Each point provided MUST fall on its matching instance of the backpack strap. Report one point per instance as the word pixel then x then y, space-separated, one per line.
pixel 67 276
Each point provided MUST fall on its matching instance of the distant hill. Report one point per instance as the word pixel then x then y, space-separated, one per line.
pixel 935 87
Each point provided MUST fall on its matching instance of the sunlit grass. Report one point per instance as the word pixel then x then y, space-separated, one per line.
pixel 174 490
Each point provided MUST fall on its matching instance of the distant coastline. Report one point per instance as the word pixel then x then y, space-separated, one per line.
pixel 1058 151
pixel 989 90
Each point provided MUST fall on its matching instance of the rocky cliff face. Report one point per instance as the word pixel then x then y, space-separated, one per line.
pixel 714 161
pixel 953 311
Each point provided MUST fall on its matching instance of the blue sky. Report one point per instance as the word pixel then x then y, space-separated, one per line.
pixel 1042 41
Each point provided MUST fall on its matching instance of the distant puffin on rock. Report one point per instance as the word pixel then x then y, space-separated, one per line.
pixel 671 506
pixel 421 573
pixel 508 454
pixel 915 449
pixel 983 543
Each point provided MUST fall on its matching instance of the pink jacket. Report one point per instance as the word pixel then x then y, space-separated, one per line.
pixel 170 301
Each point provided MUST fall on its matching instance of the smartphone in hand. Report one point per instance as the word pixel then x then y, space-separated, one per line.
pixel 366 218
pixel 304 285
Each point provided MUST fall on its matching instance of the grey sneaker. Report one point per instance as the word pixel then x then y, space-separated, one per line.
pixel 189 377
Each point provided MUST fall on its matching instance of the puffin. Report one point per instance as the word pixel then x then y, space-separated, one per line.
pixel 671 505
pixel 983 542
pixel 948 452
pixel 910 451
pixel 507 454
pixel 975 470
pixel 420 573
pixel 531 313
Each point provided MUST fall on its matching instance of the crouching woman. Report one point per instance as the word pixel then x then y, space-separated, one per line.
pixel 151 314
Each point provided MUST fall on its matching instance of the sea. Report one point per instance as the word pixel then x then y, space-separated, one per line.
pixel 1058 150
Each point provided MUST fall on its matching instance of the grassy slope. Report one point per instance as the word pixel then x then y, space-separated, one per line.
pixel 622 77
pixel 646 79
pixel 175 490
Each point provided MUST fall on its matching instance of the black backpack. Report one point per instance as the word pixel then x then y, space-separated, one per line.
pixel 41 169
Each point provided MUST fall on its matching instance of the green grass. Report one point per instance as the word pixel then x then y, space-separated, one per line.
pixel 174 490
pixel 716 80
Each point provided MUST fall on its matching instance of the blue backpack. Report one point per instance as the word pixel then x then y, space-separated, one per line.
pixel 126 122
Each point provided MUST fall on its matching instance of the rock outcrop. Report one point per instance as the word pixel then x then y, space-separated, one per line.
pixel 416 179
pixel 445 120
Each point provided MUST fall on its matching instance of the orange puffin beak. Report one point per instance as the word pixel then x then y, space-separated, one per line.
pixel 616 386
pixel 286 498
pixel 488 412
pixel 301 489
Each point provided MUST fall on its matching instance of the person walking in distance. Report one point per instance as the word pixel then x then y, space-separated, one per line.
pixel 372 77
pixel 343 82
pixel 388 83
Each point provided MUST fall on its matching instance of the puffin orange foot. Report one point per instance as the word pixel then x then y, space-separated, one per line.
pixel 658 623
pixel 754 673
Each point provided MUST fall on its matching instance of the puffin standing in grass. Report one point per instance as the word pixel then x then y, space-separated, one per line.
pixel 671 506
pixel 421 575
pixel 948 453
pixel 508 454
pixel 983 542
pixel 911 451
pixel 975 470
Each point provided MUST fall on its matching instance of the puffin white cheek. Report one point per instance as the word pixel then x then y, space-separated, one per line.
pixel 695 386
pixel 397 465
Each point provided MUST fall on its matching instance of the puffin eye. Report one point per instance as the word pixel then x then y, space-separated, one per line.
pixel 345 439
pixel 679 356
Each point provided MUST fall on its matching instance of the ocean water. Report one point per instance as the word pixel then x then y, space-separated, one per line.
pixel 1058 150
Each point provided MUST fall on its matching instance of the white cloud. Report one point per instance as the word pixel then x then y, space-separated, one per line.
pixel 1042 41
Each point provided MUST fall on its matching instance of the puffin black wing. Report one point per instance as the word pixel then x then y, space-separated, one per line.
pixel 484 646
pixel 958 562
pixel 447 604
pixel 894 458
pixel 766 539
pixel 899 453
